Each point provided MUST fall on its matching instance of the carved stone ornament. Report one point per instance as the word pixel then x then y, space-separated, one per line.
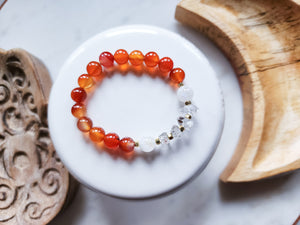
pixel 33 182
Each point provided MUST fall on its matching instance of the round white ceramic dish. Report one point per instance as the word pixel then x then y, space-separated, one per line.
pixel 136 106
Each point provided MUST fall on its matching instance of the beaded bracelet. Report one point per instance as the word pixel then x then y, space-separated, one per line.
pixel 136 58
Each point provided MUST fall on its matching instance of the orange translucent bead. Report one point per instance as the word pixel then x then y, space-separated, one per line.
pixel 78 110
pixel 177 75
pixel 151 59
pixel 165 65
pixel 78 94
pixel 106 59
pixel 84 124
pixel 136 58
pixel 111 141
pixel 121 56
pixel 127 144
pixel 97 134
pixel 85 81
pixel 94 69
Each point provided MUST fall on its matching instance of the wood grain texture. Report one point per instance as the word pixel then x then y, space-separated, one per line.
pixel 262 41
pixel 34 183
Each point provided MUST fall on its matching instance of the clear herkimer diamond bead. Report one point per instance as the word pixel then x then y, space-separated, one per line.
pixel 189 109
pixel 175 131
pixel 185 122
pixel 164 139
pixel 188 124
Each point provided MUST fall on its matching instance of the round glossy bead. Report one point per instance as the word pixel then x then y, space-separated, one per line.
pixel 151 59
pixel 165 64
pixel 184 94
pixel 84 124
pixel 97 134
pixel 78 110
pixel 94 69
pixel 78 94
pixel 106 59
pixel 85 81
pixel 127 144
pixel 121 56
pixel 111 141
pixel 147 144
pixel 136 58
pixel 177 75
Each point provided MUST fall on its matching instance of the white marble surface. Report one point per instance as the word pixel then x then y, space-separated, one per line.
pixel 53 29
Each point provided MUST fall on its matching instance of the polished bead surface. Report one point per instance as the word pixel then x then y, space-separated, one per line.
pixel 106 59
pixel 151 59
pixel 165 64
pixel 111 141
pixel 97 134
pixel 147 144
pixel 184 94
pixel 78 110
pixel 121 56
pixel 78 94
pixel 164 138
pixel 94 69
pixel 85 81
pixel 177 75
pixel 84 124
pixel 136 58
pixel 127 144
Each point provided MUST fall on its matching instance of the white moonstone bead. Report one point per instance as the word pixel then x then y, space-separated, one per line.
pixel 184 94
pixel 147 144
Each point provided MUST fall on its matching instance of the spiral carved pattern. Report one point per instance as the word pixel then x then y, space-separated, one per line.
pixel 33 182
pixel 7 196
pixel 50 182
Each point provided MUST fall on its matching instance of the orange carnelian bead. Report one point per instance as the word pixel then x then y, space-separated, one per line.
pixel 151 59
pixel 84 124
pixel 111 141
pixel 127 144
pixel 165 64
pixel 136 58
pixel 121 56
pixel 106 59
pixel 78 94
pixel 177 75
pixel 85 81
pixel 94 69
pixel 97 134
pixel 78 110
